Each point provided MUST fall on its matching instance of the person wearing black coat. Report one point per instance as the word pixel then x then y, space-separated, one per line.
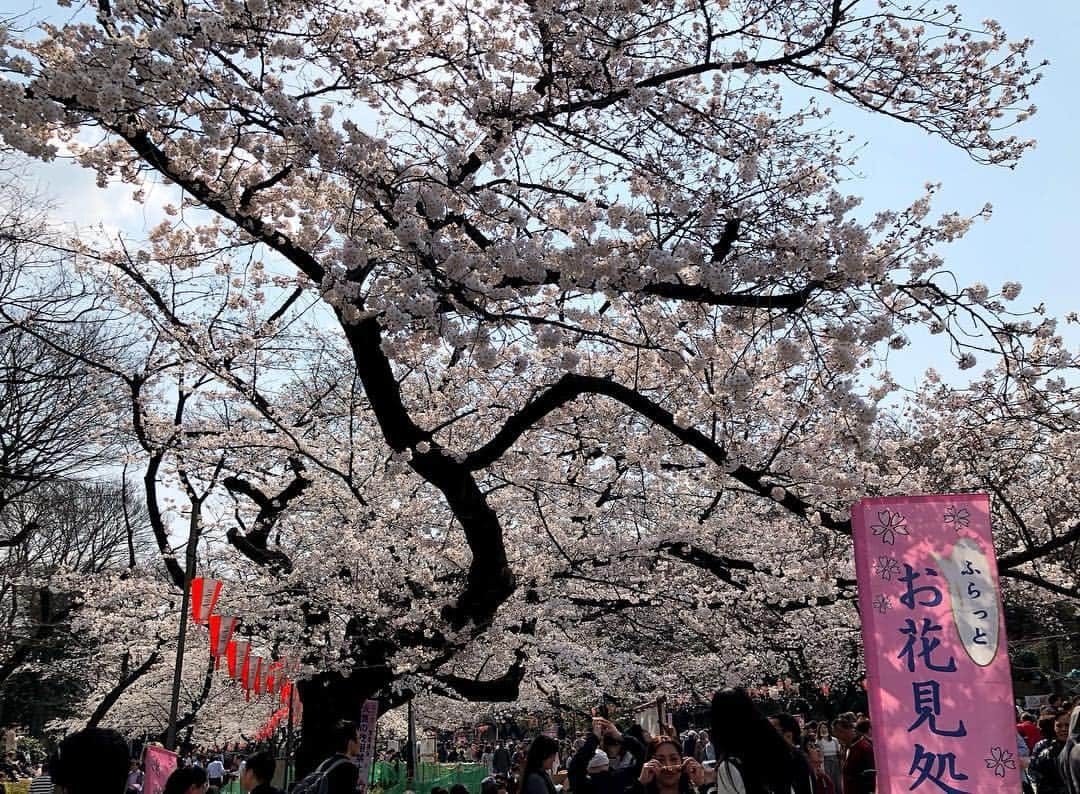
pixel 624 756
pixel 590 772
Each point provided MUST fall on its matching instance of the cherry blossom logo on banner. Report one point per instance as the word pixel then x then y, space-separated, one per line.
pixel 888 526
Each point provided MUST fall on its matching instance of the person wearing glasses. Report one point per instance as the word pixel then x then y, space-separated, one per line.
pixel 667 771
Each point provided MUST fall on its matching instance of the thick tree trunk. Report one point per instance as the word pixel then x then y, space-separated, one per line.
pixel 328 698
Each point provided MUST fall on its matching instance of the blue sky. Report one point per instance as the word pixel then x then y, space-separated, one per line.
pixel 1029 239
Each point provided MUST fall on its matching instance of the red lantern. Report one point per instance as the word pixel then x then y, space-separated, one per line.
pixel 258 679
pixel 247 669
pixel 236 653
pixel 204 596
pixel 221 631
pixel 274 677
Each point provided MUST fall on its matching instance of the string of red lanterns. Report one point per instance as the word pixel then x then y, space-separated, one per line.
pixel 254 673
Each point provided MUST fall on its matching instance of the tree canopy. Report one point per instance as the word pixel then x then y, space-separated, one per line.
pixel 537 339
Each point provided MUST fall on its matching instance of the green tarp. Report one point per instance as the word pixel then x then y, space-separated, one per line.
pixel 393 779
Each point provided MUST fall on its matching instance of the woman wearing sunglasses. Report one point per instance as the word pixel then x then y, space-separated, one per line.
pixel 666 771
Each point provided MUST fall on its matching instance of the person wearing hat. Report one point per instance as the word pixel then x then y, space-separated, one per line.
pixel 610 769
pixel 592 775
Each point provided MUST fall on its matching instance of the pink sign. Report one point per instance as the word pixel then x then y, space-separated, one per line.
pixel 160 763
pixel 366 726
pixel 939 681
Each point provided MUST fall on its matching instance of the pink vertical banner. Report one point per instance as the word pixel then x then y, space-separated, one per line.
pixel 939 681
pixel 159 763
pixel 366 725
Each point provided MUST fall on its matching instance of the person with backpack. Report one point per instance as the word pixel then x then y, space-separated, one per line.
pixel 338 773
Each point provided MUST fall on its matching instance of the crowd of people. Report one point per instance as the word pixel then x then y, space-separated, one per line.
pixel 1049 748
pixel 742 752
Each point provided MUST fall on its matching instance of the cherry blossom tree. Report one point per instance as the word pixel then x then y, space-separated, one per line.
pixel 490 320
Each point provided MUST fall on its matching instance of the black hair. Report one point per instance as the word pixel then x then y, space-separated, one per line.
pixel 540 748
pixel 740 731
pixel 262 764
pixel 459 788
pixel 788 724
pixel 91 760
pixel 183 779
pixel 343 732
pixel 653 787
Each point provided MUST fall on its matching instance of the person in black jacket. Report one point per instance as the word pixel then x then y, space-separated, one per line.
pixel 626 754
pixel 1069 756
pixel 802 778
pixel 536 775
pixel 343 770
pixel 258 772
pixel 622 754
pixel 500 760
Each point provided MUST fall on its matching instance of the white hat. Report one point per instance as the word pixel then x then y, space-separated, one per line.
pixel 599 762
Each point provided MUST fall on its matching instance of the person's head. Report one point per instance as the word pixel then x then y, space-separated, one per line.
pixel 1054 700
pixel 439 790
pixel 739 729
pixel 666 750
pixel 599 764
pixel 541 756
pixel 1061 726
pixel 823 729
pixel 1046 726
pixel 90 761
pixel 458 788
pixel 346 738
pixel 189 780
pixel 844 731
pixel 258 769
pixel 788 727
pixel 862 727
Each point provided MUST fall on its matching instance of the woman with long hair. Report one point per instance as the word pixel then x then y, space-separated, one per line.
pixel 536 776
pixel 830 751
pixel 751 756
pixel 666 771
